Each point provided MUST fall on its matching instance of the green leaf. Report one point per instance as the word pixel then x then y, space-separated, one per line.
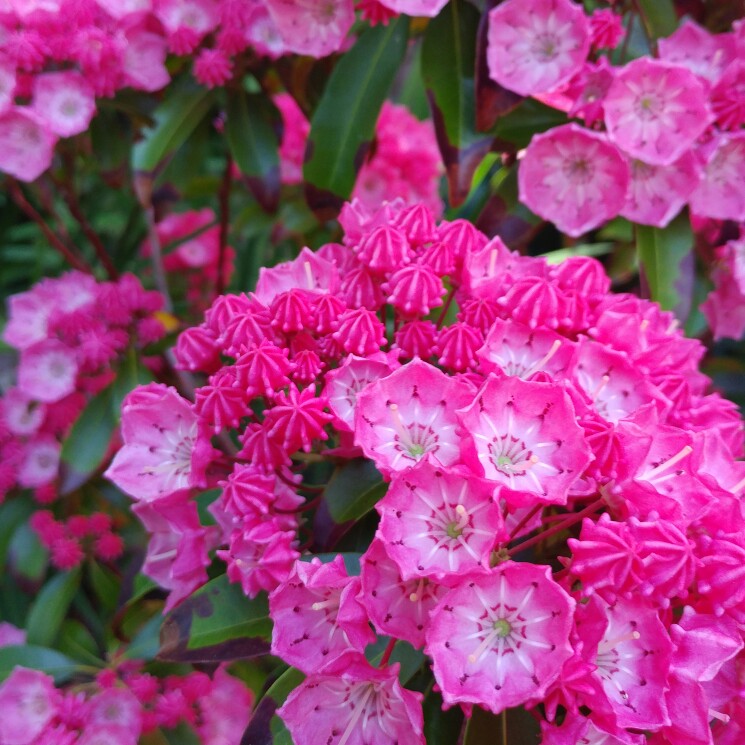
pixel 659 17
pixel 530 118
pixel 355 488
pixel 343 125
pixel 661 255
pixel 146 643
pixel 28 558
pixel 514 726
pixel 175 119
pixel 105 584
pixel 253 144
pixel 216 621
pixel 76 641
pixel 50 608
pixel 85 447
pixel 441 727
pixel 60 666
pixel 265 728
pixel 131 374
pixel 13 513
pixel 448 63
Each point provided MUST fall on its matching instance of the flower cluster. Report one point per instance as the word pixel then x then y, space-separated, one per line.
pixel 665 131
pixel 724 308
pixel 120 707
pixel 70 334
pixel 508 403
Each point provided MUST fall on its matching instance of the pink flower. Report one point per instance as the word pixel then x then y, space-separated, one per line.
pixel 356 703
pixel 11 635
pixel 47 371
pixel 535 45
pixel 655 111
pixel 409 416
pixel 29 702
pixel 160 443
pixel 313 27
pixel 573 177
pixel 225 710
pixel 294 136
pixel 297 418
pixel 64 102
pixel 439 522
pixel 143 66
pixel 308 271
pixel 26 144
pixel 724 308
pixel 427 8
pixel 524 435
pixel 657 193
pixel 703 53
pixel 721 192
pixel 500 638
pixel 41 456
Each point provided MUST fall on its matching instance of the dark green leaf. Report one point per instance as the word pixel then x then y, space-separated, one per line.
pixel 354 490
pixel 105 584
pixel 76 641
pixel 265 726
pixel 253 144
pixel 662 252
pixel 343 125
pixel 659 17
pixel 511 727
pixel 85 447
pixel 28 558
pixel 441 727
pixel 49 661
pixel 50 608
pixel 146 643
pixel 182 735
pixel 530 118
pixel 216 614
pixel 448 63
pixel 175 119
pixel 12 514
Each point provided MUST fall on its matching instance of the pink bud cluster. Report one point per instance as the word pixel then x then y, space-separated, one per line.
pixel 509 403
pixel 69 334
pixel 658 134
pixel 121 706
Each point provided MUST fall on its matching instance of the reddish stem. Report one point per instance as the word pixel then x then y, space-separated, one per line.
pixel 227 182
pixel 526 519
pixel 388 652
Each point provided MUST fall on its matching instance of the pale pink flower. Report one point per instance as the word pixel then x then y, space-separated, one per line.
pixel 7 84
pixel 29 702
pixel 26 144
pixel 263 34
pixel 197 16
pixel 703 53
pixel 313 27
pixel 47 371
pixel 41 456
pixel 535 45
pixel 524 435
pixel 144 60
pixel 724 308
pixel 409 416
pixel 225 710
pixel 436 522
pixel 721 192
pixel 119 9
pixel 308 272
pixel 11 635
pixel 573 177
pixel 427 8
pixel 655 111
pixel 21 414
pixel 357 703
pixel 728 97
pixel 64 102
pixel 294 136
pixel 500 638
pixel 115 707
pixel 657 193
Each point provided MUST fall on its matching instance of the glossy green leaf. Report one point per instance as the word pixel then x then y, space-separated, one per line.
pixel 514 726
pixel 448 64
pixel 343 124
pixel 77 642
pixel 355 488
pixel 662 252
pixel 50 608
pixel 50 661
pixel 175 119
pixel 13 513
pixel 85 447
pixel 658 16
pixel 216 620
pixel 105 584
pixel 441 727
pixel 146 643
pixel 28 558
pixel 530 118
pixel 253 144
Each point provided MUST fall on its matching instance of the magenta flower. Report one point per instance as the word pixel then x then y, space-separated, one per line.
pixel 64 102
pixel 573 177
pixel 354 704
pixel 48 371
pixel 437 522
pixel 427 8
pixel 721 192
pixel 26 144
pixel 29 702
pixel 410 416
pixel 500 639
pixel 524 435
pixel 655 111
pixel 535 45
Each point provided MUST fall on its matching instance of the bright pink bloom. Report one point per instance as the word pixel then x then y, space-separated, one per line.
pixel 213 68
pixel 396 607
pixel 308 271
pixel 416 339
pixel 573 177
pixel 107 734
pixel 21 414
pixel 457 347
pixel 655 111
pixel 409 416
pixel 524 436
pixel 297 418
pixel 160 442
pixel 384 250
pixel 317 616
pixel 115 707
pixel 657 193
pixel 427 8
pixel 29 702
pixel 221 403
pixel 500 638
pixel 360 332
pixel 64 102
pixel 263 370
pixel 197 350
pixel 724 308
pixel 721 192
pixel 26 144
pixel 294 137
pixel 606 29
pixel 703 53
pixel 47 371
pixel 225 710
pixel 414 290
pixel 535 45
pixel 316 27
pixel 197 16
pixel 355 702
pixel 437 522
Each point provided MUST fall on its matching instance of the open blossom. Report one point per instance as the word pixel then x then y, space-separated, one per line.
pixel 64 102
pixel 573 177
pixel 26 144
pixel 29 702
pixel 536 45
pixel 721 191
pixel 500 638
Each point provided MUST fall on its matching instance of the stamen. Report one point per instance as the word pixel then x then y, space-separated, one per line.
pixel 544 361
pixel 163 555
pixel 417 594
pixel 713 714
pixel 485 644
pixel 739 486
pixel 400 427
pixel 309 275
pixel 610 644
pixel 358 712
pixel 669 463
pixel 492 262
pixel 523 467
pixel 601 385
pixel 323 604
